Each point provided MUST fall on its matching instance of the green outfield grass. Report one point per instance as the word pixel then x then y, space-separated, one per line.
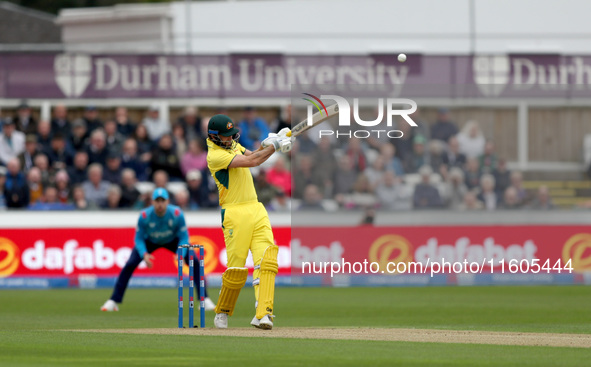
pixel 29 320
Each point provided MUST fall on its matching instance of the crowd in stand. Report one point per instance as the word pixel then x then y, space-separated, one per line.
pixel 88 163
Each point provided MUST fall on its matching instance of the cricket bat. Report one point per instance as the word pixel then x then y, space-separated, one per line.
pixel 318 118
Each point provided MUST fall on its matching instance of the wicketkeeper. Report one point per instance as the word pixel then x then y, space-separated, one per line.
pixel 245 221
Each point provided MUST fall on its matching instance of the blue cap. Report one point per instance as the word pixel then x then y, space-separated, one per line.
pixel 160 193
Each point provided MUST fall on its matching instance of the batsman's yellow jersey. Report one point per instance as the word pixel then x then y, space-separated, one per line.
pixel 235 185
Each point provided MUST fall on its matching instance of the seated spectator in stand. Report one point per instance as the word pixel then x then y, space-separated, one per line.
pixel 59 156
pixel 95 189
pixel 455 188
pixel 426 196
pixel 125 126
pixel 510 199
pixel 487 192
pixel 404 145
pixel 160 179
pixel 304 176
pixel 471 202
pixel 179 140
pixel 114 139
pixel 79 172
pixel 543 200
pixel 471 140
pixel 92 120
pixel 283 120
pixel 376 171
pixel 44 134
pixel 198 194
pixel 392 194
pixel 443 128
pixel 265 191
pixel 280 176
pixel 325 164
pixel 130 195
pixel 361 197
pixel 517 182
pixel 131 159
pixel 502 177
pixel 436 152
pixel 355 152
pixel 345 176
pixel 191 124
pixel 181 199
pixel 80 201
pixel 62 186
pixel 112 172
pixel 312 199
pixel 2 188
pixel 60 123
pixel 144 144
pixel 97 147
pixel 16 190
pixel 42 163
pixel 488 160
pixel 452 156
pixel 195 157
pixel 50 201
pixel 35 185
pixel 164 158
pixel 25 123
pixel 391 161
pixel 79 138
pixel 280 203
pixel 27 157
pixel 155 125
pixel 416 159
pixel 472 174
pixel 113 201
pixel 253 129
pixel 12 142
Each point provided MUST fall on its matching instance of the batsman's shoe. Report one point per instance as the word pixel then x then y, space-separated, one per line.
pixel 110 306
pixel 221 320
pixel 209 305
pixel 265 323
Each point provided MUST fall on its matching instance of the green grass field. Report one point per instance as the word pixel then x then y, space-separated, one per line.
pixel 30 323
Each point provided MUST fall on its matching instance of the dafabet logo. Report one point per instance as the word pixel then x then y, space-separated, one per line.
pixel 9 257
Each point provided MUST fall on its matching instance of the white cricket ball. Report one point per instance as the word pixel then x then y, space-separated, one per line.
pixel 402 57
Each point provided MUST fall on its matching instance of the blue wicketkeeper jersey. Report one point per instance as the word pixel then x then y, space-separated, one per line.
pixel 160 230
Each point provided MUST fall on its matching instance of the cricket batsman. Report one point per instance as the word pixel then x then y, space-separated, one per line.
pixel 160 225
pixel 245 221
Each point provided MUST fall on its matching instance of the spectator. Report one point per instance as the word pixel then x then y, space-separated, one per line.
pixel 16 189
pixel 356 154
pixel 181 199
pixel 283 120
pixel 391 161
pixel 436 152
pixel 63 188
pixel 510 199
pixel 488 160
pixel 543 200
pixel 114 139
pixel 25 123
pixel 28 156
pixel 164 158
pixel 44 135
pixel 443 128
pixel 95 189
pixel 79 172
pixel 376 171
pixel 487 192
pixel 160 179
pixel 392 194
pixel 125 126
pixel 131 159
pixel 130 195
pixel 253 129
pixel 113 201
pixel 279 176
pixel 304 176
pixel 195 157
pixel 472 174
pixel 35 185
pixel 416 159
pixel 180 143
pixel 280 203
pixel 59 156
pixel 156 126
pixel 144 145
pixel 312 199
pixel 12 142
pixel 3 197
pixel 112 172
pixel 97 148
pixel 60 123
pixel 50 201
pixel 471 202
pixel 79 138
pixel 42 163
pixel 80 201
pixel 455 188
pixel 426 196
pixel 361 197
pixel 471 140
pixel 92 120
pixel 325 165
pixel 452 157
pixel 265 191
pixel 517 182
pixel 191 124
pixel 198 194
pixel 345 176
pixel 405 144
pixel 502 177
